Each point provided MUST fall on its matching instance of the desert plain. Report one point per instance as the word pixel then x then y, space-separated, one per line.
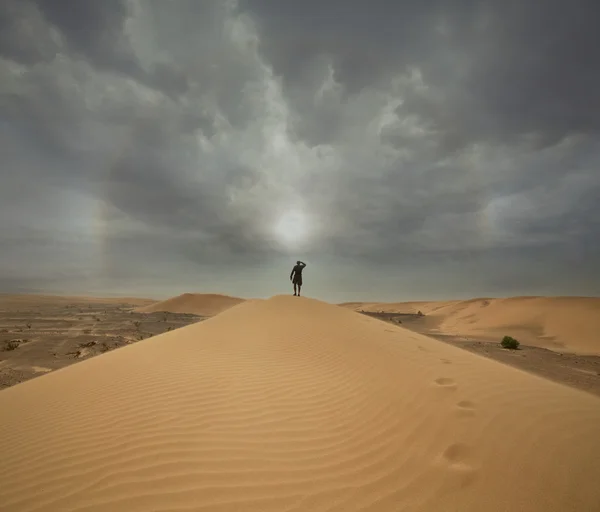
pixel 208 402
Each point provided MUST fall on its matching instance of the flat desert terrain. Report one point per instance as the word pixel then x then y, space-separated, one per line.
pixel 289 404
pixel 40 334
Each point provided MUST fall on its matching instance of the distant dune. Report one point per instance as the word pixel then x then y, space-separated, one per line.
pixel 291 404
pixel 570 324
pixel 203 304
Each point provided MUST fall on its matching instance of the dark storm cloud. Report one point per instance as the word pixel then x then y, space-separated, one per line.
pixel 540 67
pixel 443 138
pixel 501 69
pixel 38 30
pixel 24 37
pixel 518 75
pixel 366 41
pixel 96 32
pixel 92 29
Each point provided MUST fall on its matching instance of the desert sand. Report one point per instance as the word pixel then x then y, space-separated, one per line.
pixel 291 404
pixel 563 324
pixel 203 304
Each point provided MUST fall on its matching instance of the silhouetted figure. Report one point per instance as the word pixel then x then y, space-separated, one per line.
pixel 296 276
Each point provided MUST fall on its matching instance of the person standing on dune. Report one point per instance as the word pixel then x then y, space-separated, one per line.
pixel 296 276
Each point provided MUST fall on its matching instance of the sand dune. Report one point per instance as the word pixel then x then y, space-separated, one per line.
pixel 289 405
pixel 203 304
pixel 566 324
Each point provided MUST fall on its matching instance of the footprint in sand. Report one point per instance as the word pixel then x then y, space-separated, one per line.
pixel 456 453
pixel 445 382
pixel 465 408
pixel 446 361
pixel 456 458
pixel 422 349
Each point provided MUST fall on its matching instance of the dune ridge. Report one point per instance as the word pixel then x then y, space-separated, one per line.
pixel 291 404
pixel 203 304
pixel 566 324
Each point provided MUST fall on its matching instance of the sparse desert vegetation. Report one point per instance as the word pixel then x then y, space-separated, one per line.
pixel 510 343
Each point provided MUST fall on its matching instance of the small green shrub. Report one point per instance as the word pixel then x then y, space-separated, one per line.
pixel 510 343
pixel 11 345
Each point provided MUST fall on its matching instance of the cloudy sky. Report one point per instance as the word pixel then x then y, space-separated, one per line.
pixel 408 149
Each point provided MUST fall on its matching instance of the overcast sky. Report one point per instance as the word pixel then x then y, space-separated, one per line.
pixel 408 149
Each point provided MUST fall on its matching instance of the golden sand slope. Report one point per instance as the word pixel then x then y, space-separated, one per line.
pixel 289 405
pixel 203 304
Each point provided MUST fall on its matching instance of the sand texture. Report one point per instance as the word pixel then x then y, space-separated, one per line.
pixel 202 304
pixel 563 324
pixel 291 404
